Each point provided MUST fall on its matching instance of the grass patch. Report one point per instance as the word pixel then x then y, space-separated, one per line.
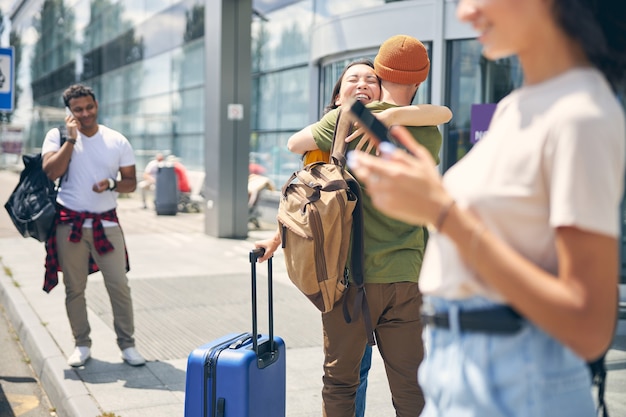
pixel 7 271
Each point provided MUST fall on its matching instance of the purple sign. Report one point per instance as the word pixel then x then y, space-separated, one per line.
pixel 480 119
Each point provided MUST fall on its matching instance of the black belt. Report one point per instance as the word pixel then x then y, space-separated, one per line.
pixel 501 320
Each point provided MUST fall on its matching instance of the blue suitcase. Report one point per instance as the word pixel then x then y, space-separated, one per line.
pixel 240 374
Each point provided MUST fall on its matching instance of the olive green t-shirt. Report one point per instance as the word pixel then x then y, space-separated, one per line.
pixel 393 249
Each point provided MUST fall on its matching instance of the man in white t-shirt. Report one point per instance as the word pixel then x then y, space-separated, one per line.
pixel 149 177
pixel 87 236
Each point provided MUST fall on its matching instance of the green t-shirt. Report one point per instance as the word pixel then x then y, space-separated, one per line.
pixel 393 249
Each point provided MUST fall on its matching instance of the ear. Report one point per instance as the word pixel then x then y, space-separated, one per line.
pixel 337 101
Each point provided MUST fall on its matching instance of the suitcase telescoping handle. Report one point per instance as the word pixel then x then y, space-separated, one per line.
pixel 264 358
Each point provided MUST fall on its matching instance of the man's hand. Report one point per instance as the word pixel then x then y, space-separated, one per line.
pixel 270 245
pixel 101 186
pixel 73 126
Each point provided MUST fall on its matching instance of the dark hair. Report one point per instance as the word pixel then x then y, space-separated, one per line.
pixel 75 91
pixel 333 97
pixel 602 37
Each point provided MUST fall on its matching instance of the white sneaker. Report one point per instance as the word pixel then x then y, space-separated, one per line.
pixel 79 356
pixel 132 357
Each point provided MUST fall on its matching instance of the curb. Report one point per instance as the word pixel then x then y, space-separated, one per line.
pixel 63 386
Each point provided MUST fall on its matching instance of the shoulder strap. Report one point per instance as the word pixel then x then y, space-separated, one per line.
pixel 598 378
pixel 343 128
pixel 598 372
pixel 63 134
pixel 357 260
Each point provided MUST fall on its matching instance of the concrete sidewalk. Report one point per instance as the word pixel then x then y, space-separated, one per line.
pixel 188 289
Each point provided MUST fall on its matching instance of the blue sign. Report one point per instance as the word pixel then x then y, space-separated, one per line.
pixel 6 79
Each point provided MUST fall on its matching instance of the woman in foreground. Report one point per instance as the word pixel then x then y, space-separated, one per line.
pixel 521 269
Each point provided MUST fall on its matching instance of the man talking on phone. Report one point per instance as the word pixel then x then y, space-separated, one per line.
pixel 393 257
pixel 95 163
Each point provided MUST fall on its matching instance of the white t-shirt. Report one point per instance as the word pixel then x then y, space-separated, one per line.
pixel 553 156
pixel 93 159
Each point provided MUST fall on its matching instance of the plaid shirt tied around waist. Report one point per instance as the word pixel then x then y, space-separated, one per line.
pixel 76 219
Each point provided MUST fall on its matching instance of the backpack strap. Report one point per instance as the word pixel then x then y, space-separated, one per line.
pixel 357 260
pixel 343 128
pixel 598 373
pixel 598 378
pixel 63 135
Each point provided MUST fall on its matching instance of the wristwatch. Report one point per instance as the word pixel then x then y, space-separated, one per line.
pixel 112 184
pixel 72 141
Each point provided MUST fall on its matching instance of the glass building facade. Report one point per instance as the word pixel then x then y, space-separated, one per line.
pixel 280 93
pixel 146 61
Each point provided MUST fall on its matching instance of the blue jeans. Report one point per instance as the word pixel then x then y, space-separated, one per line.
pixel 366 364
pixel 479 374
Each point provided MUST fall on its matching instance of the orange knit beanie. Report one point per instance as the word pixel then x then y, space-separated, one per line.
pixel 402 59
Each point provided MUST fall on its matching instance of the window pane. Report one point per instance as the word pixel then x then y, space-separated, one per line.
pixel 325 9
pixel 190 113
pixel 282 100
pixel 283 39
pixel 473 80
pixel 270 151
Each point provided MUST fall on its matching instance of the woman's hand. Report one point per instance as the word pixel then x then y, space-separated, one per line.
pixel 366 144
pixel 405 186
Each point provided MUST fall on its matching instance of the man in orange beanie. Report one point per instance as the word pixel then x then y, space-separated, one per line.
pixel 402 64
pixel 393 257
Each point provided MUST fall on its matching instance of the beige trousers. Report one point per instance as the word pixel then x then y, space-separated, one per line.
pixel 74 261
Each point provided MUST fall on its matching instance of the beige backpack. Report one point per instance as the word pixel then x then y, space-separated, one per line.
pixel 319 211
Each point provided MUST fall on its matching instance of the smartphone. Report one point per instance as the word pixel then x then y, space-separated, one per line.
pixel 369 122
pixel 68 112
